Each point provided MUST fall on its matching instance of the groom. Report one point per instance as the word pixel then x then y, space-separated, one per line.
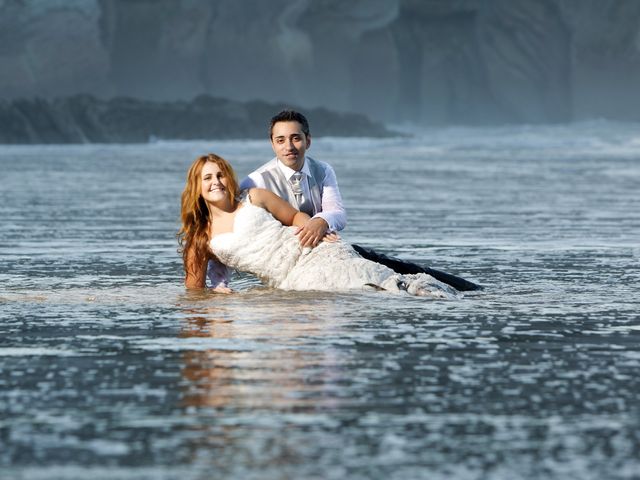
pixel 311 187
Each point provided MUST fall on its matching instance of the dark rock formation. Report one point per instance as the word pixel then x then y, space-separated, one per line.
pixel 86 119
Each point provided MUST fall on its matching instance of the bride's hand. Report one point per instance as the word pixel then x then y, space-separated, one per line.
pixel 331 237
pixel 222 289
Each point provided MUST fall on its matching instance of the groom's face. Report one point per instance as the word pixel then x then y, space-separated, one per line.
pixel 289 143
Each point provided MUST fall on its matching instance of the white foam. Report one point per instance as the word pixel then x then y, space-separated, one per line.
pixel 36 352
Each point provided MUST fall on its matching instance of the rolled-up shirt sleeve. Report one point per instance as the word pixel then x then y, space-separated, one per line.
pixel 218 274
pixel 333 211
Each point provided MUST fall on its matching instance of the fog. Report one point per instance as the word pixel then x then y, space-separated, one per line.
pixel 419 61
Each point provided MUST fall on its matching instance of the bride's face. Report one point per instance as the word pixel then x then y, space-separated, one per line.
pixel 214 183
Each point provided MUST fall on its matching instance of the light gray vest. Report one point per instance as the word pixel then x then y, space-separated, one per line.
pixel 275 181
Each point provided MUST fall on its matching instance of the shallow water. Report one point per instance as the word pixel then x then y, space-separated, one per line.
pixel 109 369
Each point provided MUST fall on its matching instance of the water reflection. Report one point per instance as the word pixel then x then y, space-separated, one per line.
pixel 258 372
pixel 272 362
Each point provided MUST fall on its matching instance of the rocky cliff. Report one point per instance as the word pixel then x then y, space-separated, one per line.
pixel 86 119
pixel 424 61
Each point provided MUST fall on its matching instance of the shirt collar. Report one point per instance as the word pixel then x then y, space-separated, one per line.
pixel 288 172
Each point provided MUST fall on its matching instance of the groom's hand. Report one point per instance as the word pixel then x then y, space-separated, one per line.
pixel 312 232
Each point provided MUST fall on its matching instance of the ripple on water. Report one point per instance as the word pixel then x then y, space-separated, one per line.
pixel 109 369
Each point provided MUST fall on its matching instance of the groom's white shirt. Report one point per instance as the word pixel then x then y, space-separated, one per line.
pixel 332 211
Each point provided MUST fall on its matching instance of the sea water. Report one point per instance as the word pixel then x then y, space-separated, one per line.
pixel 110 369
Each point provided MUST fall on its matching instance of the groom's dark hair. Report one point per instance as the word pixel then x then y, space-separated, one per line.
pixel 289 116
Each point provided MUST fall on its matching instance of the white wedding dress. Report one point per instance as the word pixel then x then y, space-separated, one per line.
pixel 261 245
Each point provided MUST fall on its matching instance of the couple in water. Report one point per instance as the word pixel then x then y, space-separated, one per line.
pixel 280 224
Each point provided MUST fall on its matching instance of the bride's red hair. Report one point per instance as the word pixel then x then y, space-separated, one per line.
pixel 193 235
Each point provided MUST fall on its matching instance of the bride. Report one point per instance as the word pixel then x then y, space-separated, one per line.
pixel 254 231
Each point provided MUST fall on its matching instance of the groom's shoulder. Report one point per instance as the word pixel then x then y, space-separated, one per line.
pixel 320 163
pixel 254 179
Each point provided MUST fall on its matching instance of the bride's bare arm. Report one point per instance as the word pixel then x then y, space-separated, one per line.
pixel 279 208
pixel 195 270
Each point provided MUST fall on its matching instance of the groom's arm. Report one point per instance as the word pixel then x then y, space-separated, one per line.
pixel 333 212
pixel 333 216
pixel 218 275
pixel 252 181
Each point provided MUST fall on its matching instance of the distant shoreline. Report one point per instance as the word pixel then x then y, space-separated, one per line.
pixel 88 119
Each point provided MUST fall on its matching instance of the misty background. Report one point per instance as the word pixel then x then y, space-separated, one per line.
pixel 427 62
